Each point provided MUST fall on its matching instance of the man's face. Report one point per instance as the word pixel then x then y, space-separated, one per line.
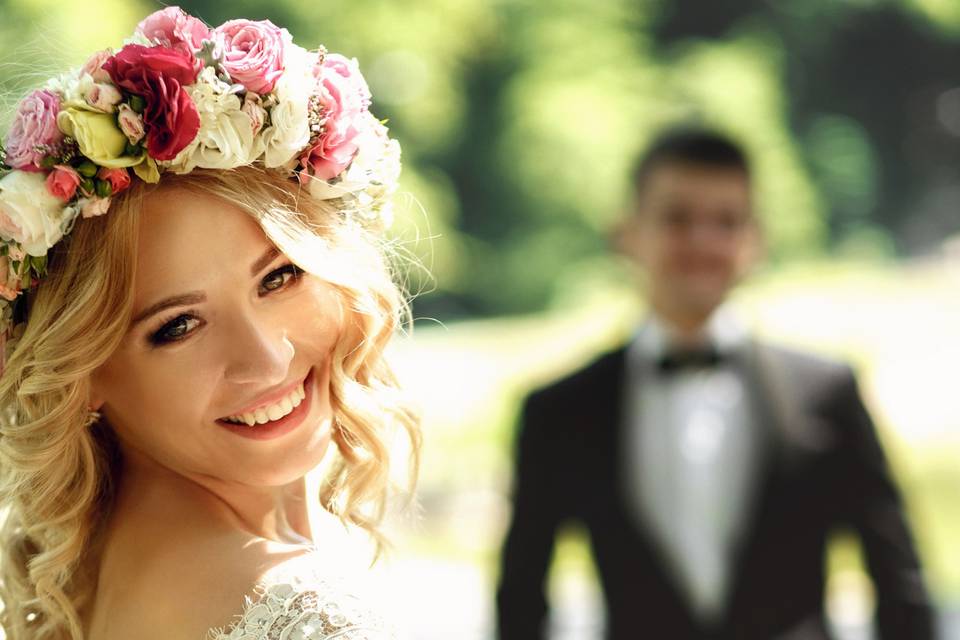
pixel 693 232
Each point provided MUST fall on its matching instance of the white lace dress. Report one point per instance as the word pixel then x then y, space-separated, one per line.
pixel 312 609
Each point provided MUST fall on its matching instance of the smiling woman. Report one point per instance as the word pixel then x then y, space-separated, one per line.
pixel 177 368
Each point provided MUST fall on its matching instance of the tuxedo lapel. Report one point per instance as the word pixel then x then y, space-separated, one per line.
pixel 639 540
pixel 777 417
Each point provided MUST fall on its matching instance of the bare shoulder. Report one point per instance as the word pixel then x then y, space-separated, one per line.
pixel 178 579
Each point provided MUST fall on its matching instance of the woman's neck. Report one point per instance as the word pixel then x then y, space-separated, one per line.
pixel 273 513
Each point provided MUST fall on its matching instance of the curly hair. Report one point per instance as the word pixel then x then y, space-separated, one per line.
pixel 59 465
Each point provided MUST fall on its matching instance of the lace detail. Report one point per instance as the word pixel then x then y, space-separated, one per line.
pixel 316 610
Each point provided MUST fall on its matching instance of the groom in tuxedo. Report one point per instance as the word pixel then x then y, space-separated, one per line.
pixel 708 468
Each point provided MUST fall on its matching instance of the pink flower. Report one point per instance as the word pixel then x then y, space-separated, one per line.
pixel 91 207
pixel 63 182
pixel 94 65
pixel 34 131
pixel 158 75
pixel 10 284
pixel 131 123
pixel 173 27
pixel 252 52
pixel 343 98
pixel 119 179
pixel 102 96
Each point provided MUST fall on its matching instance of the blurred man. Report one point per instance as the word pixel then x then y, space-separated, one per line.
pixel 707 467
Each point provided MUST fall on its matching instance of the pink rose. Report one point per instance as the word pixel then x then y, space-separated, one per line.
pixel 343 98
pixel 10 284
pixel 173 27
pixel 252 52
pixel 94 65
pixel 34 131
pixel 91 207
pixel 63 182
pixel 158 75
pixel 103 97
pixel 131 123
pixel 119 179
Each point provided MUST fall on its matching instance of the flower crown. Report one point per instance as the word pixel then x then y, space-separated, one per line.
pixel 177 96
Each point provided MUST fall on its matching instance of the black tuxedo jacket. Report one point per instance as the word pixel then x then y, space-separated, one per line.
pixel 823 468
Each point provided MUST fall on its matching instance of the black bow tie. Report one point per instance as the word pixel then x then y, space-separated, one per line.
pixel 674 361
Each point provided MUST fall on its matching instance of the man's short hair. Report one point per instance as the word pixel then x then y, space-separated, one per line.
pixel 690 146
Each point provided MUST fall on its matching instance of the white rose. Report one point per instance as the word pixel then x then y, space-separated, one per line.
pixel 226 137
pixel 289 132
pixel 29 213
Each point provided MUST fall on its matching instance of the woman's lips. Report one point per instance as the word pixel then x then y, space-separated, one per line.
pixel 276 428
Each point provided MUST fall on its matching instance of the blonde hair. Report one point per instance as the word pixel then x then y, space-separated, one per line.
pixel 58 467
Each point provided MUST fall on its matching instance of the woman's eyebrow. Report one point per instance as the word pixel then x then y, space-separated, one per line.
pixel 264 260
pixel 194 297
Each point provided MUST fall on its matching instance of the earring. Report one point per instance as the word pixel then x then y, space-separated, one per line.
pixel 93 417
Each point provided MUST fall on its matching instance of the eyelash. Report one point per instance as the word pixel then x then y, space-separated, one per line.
pixel 160 337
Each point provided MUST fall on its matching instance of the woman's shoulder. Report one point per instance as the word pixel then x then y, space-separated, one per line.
pixel 179 583
pixel 244 590
pixel 302 598
pixel 200 578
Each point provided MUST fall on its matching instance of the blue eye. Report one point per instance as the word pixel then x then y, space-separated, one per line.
pixel 278 278
pixel 176 329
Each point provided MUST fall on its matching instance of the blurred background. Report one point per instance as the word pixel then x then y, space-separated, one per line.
pixel 519 120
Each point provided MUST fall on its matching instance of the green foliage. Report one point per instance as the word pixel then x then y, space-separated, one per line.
pixel 519 119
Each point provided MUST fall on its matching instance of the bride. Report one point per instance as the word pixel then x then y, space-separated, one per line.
pixel 195 304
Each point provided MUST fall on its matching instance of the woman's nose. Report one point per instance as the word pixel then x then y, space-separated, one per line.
pixel 258 353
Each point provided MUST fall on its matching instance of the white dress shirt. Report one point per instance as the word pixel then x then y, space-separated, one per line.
pixel 692 452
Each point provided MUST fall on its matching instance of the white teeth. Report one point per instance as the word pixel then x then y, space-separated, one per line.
pixel 272 412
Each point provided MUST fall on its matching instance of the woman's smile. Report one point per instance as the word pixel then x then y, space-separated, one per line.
pixel 287 410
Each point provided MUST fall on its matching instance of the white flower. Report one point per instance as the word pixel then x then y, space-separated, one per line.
pixel 30 214
pixel 92 207
pixel 69 85
pixel 79 89
pixel 101 96
pixel 289 131
pixel 226 138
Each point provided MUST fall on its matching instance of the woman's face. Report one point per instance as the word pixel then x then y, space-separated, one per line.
pixel 225 331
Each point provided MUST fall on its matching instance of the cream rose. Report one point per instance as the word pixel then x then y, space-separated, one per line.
pixel 29 213
pixel 289 131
